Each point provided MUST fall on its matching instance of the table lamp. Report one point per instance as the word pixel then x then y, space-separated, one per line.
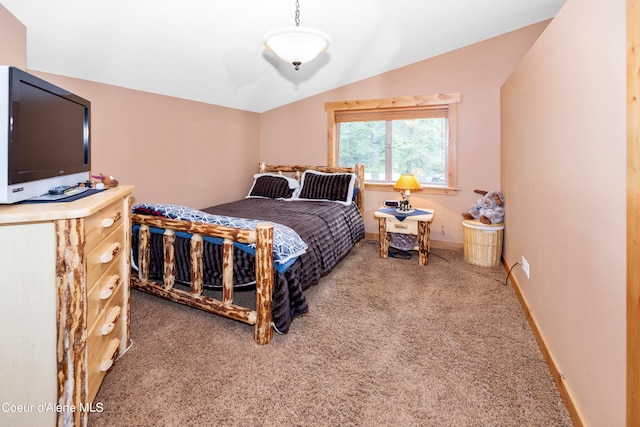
pixel 405 184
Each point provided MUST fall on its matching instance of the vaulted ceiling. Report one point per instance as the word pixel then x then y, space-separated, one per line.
pixel 211 51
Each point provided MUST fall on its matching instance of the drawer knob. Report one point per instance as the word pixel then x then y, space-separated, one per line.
pixel 110 253
pixel 400 226
pixel 107 288
pixel 112 318
pixel 110 355
pixel 111 219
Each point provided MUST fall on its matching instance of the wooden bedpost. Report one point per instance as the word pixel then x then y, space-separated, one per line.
pixel 169 240
pixel 359 170
pixel 197 264
pixel 144 253
pixel 264 283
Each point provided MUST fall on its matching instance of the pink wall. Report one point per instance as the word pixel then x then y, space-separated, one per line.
pixel 172 150
pixel 563 173
pixel 13 40
pixel 297 133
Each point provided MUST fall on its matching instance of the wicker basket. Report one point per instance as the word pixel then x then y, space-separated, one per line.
pixel 482 243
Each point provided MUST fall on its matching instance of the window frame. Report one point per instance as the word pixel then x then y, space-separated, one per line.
pixel 398 108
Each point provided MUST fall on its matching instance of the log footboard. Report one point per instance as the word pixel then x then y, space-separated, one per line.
pixel 262 237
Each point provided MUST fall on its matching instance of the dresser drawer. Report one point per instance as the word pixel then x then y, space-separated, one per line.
pixel 103 223
pixel 105 321
pixel 100 361
pixel 402 227
pixel 103 291
pixel 104 255
pixel 103 341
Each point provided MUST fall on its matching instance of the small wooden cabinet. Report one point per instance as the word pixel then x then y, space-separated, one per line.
pixel 64 305
pixel 417 224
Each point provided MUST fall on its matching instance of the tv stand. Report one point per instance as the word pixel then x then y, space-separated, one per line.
pixel 64 304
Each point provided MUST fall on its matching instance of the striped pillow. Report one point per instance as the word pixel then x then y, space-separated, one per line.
pixel 271 186
pixel 335 187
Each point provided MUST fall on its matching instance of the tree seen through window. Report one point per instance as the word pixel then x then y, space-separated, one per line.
pixel 389 148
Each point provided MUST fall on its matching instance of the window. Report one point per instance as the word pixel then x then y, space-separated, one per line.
pixel 398 135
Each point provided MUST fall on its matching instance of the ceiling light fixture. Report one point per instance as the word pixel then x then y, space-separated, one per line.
pixel 296 45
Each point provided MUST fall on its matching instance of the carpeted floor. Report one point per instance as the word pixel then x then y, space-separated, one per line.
pixel 386 343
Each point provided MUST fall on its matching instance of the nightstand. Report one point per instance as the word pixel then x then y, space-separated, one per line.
pixel 416 223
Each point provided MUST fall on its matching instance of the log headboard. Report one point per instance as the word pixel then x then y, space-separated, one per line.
pixel 297 171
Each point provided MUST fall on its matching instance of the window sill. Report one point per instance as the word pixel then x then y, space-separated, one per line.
pixel 450 191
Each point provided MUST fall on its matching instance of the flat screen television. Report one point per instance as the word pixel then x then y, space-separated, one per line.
pixel 44 136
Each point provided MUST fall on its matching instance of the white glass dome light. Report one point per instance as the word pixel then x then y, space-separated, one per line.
pixel 296 45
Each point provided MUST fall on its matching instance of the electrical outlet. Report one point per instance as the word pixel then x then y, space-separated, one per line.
pixel 525 266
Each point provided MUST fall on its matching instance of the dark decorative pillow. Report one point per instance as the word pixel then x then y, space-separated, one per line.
pixel 273 186
pixel 335 187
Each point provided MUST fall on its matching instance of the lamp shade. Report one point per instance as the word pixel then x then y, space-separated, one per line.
pixel 407 181
pixel 296 45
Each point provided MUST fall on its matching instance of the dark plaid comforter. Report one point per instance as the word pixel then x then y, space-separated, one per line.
pixel 329 229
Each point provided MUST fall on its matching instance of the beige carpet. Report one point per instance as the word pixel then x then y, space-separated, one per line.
pixel 386 343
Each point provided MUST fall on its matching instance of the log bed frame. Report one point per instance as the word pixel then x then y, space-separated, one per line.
pixel 262 237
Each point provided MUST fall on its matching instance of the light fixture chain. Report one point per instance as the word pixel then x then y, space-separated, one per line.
pixel 297 13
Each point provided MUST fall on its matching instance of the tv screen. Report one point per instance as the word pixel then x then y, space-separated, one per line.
pixel 44 136
pixel 49 136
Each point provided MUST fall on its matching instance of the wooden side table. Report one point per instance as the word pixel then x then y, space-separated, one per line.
pixel 416 223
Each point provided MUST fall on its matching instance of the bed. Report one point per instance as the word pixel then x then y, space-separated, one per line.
pixel 293 227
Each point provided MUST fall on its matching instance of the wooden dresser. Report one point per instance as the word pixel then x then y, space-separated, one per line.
pixel 64 305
